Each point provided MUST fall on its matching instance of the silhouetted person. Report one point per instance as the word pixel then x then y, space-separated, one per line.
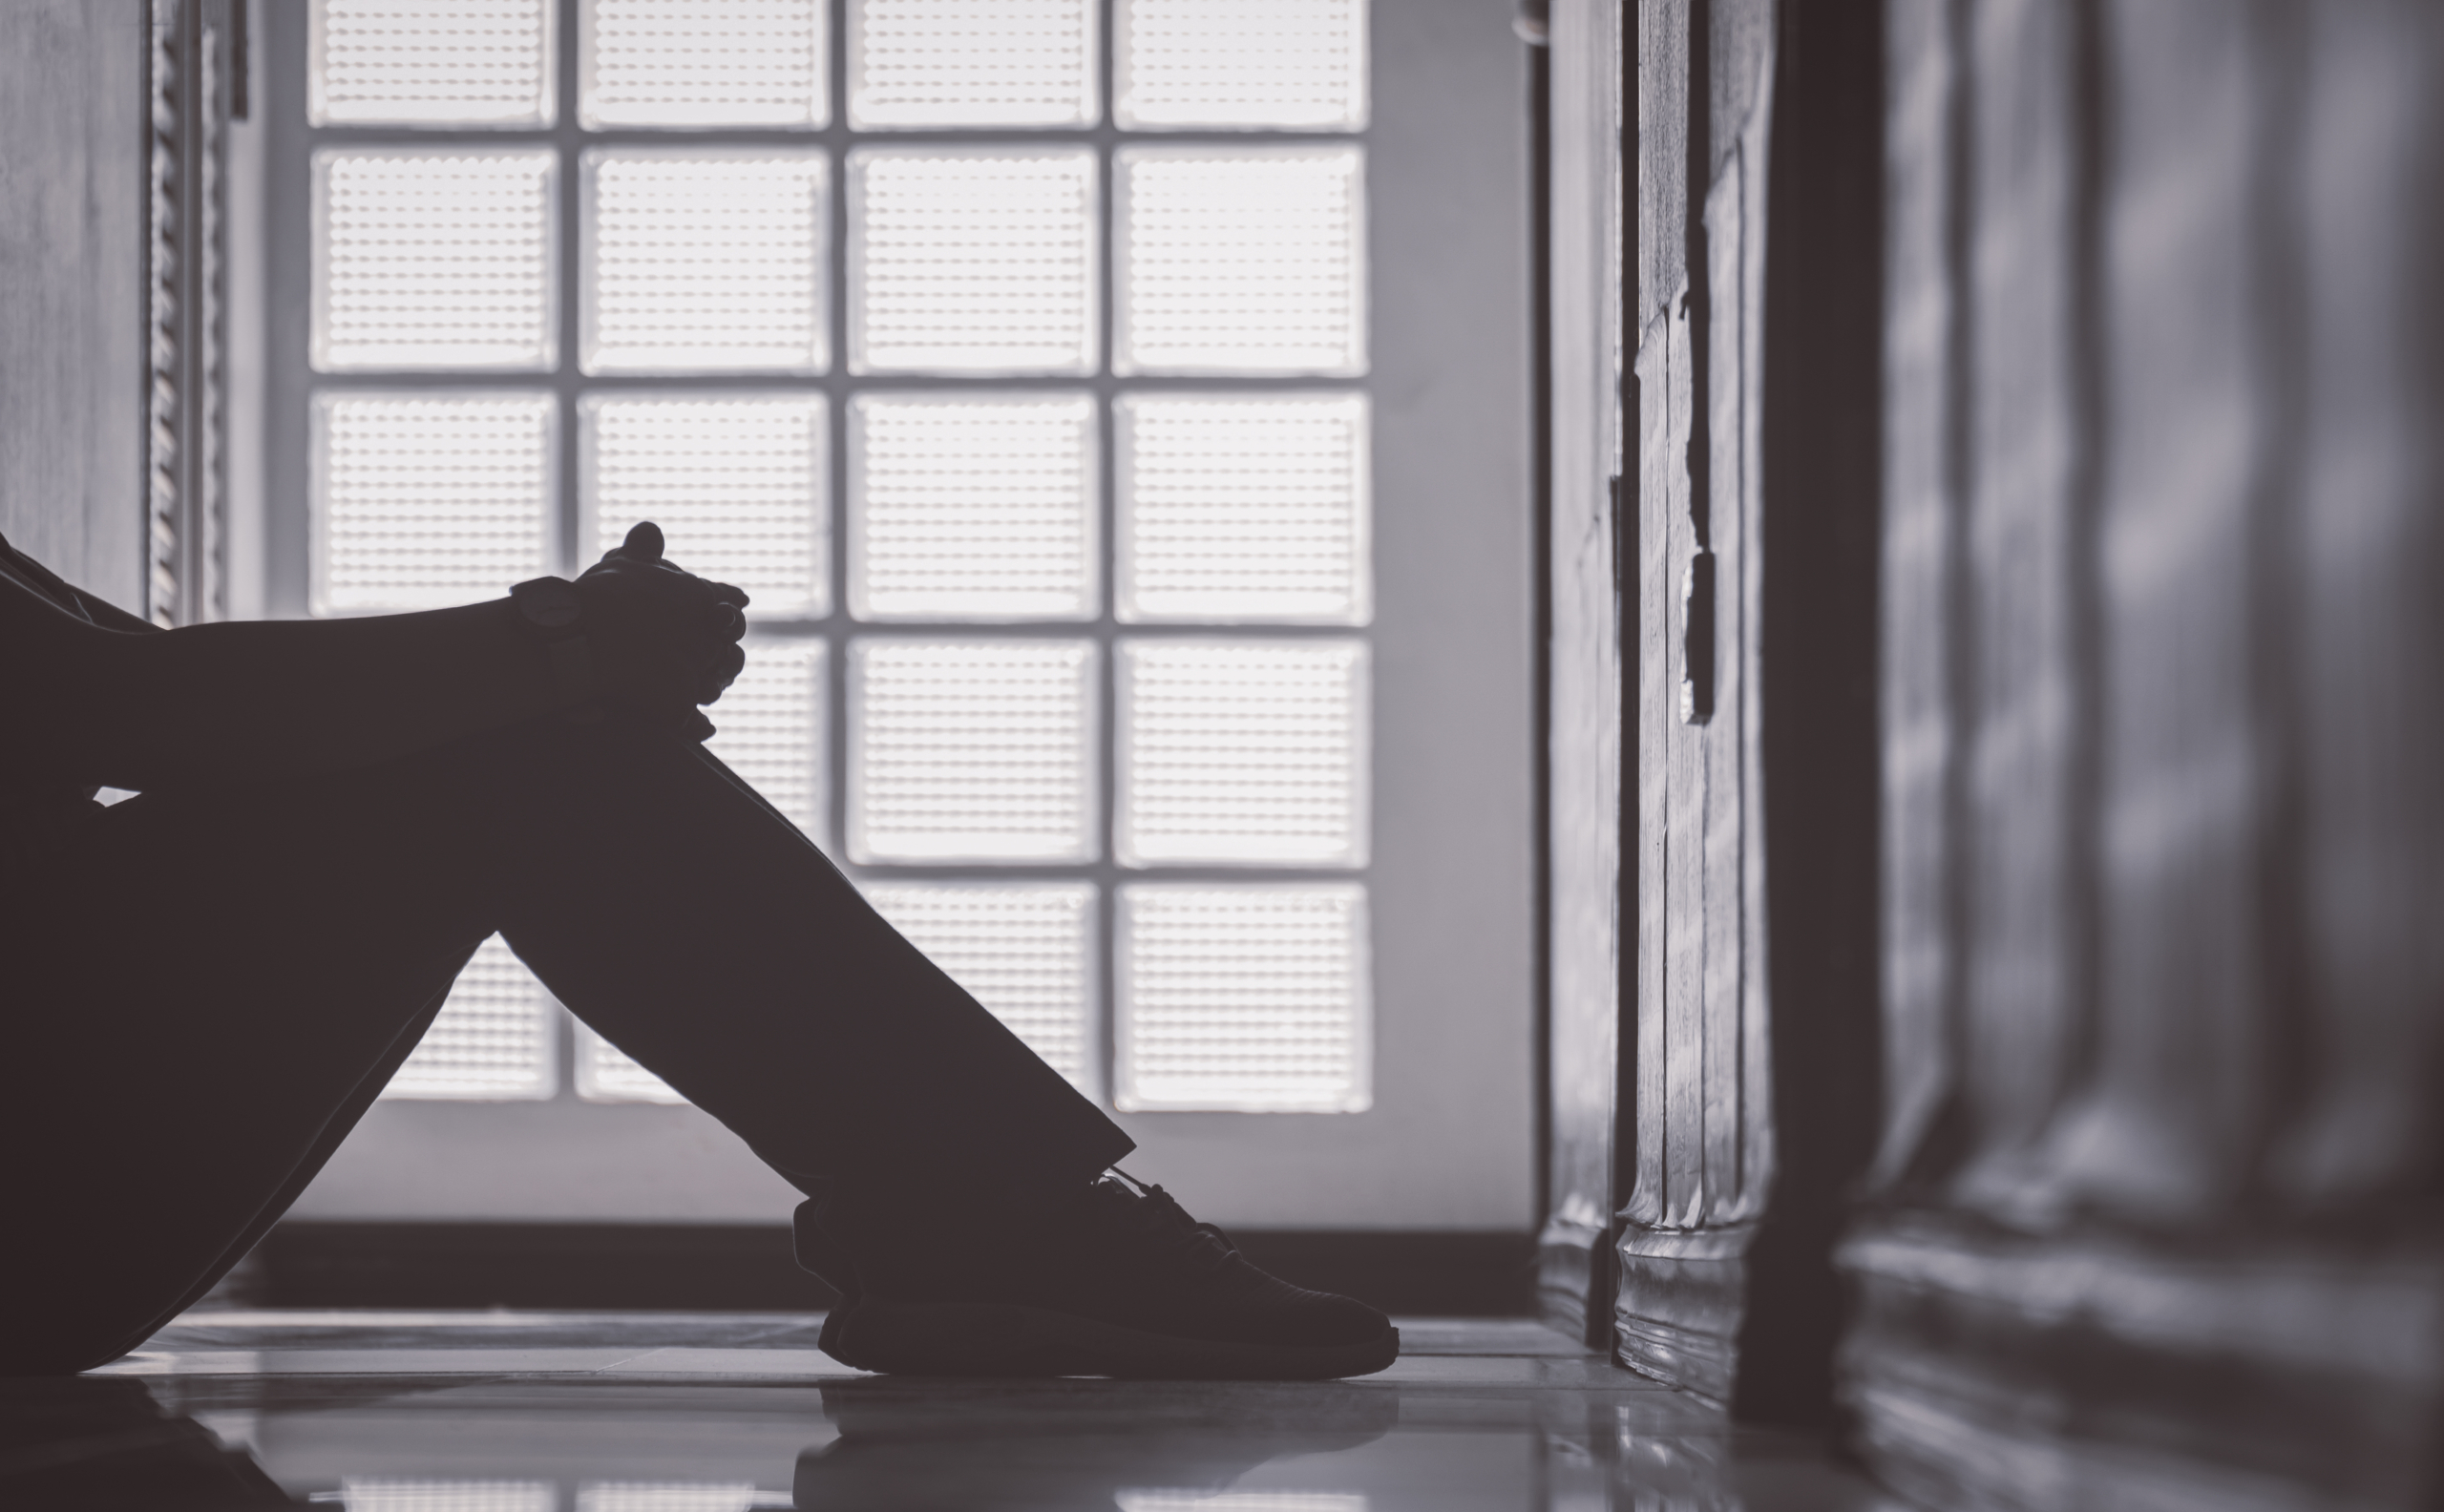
pixel 210 982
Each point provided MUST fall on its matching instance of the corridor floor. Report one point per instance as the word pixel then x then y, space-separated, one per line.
pixel 528 1412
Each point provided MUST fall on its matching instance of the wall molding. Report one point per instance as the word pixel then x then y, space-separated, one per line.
pixel 2230 1372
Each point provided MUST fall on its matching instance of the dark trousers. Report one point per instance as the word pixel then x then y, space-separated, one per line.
pixel 207 988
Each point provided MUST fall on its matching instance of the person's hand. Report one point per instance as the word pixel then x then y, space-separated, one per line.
pixel 664 640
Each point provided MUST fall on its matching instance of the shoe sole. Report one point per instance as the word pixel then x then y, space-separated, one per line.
pixel 983 1338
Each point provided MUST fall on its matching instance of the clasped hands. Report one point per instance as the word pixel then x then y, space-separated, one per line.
pixel 663 640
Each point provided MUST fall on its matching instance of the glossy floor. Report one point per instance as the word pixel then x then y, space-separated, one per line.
pixel 522 1412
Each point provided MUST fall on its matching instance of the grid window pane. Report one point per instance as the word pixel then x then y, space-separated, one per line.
pixel 965 507
pixel 708 261
pixel 429 63
pixel 606 1072
pixel 769 726
pixel 972 261
pixel 1025 949
pixel 1246 509
pixel 738 486
pixel 702 63
pixel 971 751
pixel 971 63
pixel 1240 261
pixel 420 503
pixel 1248 752
pixel 1284 64
pixel 1249 998
pixel 433 259
pixel 492 1039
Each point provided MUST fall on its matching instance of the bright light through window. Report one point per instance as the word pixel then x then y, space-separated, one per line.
pixel 1243 999
pixel 972 507
pixel 738 483
pixel 433 259
pixel 428 62
pixel 971 63
pixel 422 501
pixel 972 261
pixel 1240 261
pixel 701 63
pixel 492 1039
pixel 1270 64
pixel 607 1074
pixel 1238 506
pixel 1041 637
pixel 1246 753
pixel 704 262
pixel 971 751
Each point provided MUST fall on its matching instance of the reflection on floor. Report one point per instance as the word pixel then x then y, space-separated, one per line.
pixel 522 1412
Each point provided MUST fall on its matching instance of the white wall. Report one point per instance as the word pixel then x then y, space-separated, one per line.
pixel 72 290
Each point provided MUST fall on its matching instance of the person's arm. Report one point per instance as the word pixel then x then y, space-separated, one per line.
pixel 142 711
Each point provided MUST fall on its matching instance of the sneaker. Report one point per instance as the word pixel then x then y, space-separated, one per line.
pixel 1117 1281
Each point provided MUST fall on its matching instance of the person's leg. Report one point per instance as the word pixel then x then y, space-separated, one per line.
pixel 682 918
pixel 205 991
pixel 195 1051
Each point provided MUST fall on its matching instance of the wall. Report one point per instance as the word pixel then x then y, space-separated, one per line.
pixel 72 290
pixel 2164 714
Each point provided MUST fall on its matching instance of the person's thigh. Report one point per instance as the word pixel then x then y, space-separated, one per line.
pixel 199 984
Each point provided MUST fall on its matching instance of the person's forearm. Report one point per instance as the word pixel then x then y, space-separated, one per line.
pixel 289 697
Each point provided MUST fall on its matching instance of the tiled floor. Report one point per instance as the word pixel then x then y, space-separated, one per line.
pixel 511 1412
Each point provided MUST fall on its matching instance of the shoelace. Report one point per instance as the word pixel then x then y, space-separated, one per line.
pixel 1160 1214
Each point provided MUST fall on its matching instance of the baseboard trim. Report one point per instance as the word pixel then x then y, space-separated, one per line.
pixel 749 1268
pixel 1681 1300
pixel 2054 1374
pixel 1573 1279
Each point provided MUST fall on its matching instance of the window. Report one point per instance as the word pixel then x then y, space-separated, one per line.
pixel 1012 354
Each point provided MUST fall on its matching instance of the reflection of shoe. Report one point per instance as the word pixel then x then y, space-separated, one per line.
pixel 1072 1446
pixel 1117 1281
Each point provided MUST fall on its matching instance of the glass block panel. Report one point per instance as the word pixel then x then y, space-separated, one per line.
pixel 972 750
pixel 420 502
pixel 738 485
pixel 1248 752
pixel 1243 507
pixel 966 507
pixel 1296 65
pixel 970 63
pixel 769 726
pixel 1249 998
pixel 429 63
pixel 492 1039
pixel 1026 951
pixel 606 1072
pixel 427 259
pixel 701 63
pixel 370 1494
pixel 709 260
pixel 1240 260
pixel 972 261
